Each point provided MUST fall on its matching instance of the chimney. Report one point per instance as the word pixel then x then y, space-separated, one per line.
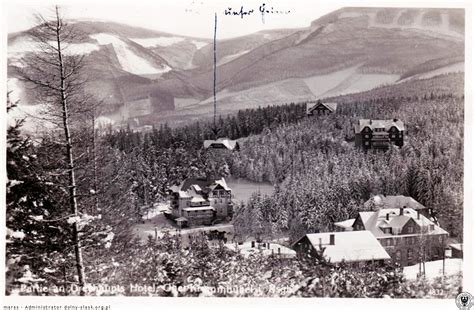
pixel 253 244
pixel 429 211
pixel 279 251
pixel 417 214
pixel 331 239
pixel 387 216
pixel 370 122
pixel 395 119
pixel 401 211
pixel 320 242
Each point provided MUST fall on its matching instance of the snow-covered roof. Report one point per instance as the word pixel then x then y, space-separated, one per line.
pixel 222 183
pixel 347 224
pixel 199 208
pixel 378 123
pixel 398 201
pixel 378 219
pixel 349 246
pixel 331 106
pixel 183 194
pixel 197 199
pixel 364 215
pixel 201 184
pixel 196 187
pixel 456 246
pixel 227 143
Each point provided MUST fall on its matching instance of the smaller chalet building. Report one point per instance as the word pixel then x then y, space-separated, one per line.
pixel 352 247
pixel 320 108
pixel 200 202
pixel 379 134
pixel 222 144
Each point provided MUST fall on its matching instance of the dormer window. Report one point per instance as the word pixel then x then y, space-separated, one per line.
pixel 387 230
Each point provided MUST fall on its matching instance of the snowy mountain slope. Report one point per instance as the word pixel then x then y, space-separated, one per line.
pixel 129 60
pixel 349 50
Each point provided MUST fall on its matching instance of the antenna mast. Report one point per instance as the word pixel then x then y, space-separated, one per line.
pixel 215 73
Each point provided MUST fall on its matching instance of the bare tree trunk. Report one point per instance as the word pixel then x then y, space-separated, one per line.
pixel 70 159
pixel 94 164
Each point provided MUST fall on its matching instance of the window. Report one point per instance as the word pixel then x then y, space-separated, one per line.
pixel 366 136
pixel 392 136
pixel 409 254
pixel 440 239
pixel 367 143
pixel 398 255
pixel 410 230
pixel 389 242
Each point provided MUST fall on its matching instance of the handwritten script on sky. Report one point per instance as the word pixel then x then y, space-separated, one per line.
pixel 262 10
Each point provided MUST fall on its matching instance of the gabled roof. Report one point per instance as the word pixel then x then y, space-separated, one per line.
pixel 378 220
pixel 377 123
pixel 349 246
pixel 331 106
pixel 227 143
pixel 347 224
pixel 222 183
pixel 399 201
pixel 398 222
pixel 200 184
pixel 364 215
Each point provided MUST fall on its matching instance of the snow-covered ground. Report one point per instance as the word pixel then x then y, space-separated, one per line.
pixel 434 269
pixel 266 249
pixel 158 208
pixel 456 67
pixel 231 57
pixel 23 45
pixel 158 41
pixel 199 44
pixel 129 61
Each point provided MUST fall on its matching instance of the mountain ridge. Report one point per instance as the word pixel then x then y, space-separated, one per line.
pixel 376 45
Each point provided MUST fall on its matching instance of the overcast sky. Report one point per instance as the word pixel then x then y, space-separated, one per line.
pixel 185 17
